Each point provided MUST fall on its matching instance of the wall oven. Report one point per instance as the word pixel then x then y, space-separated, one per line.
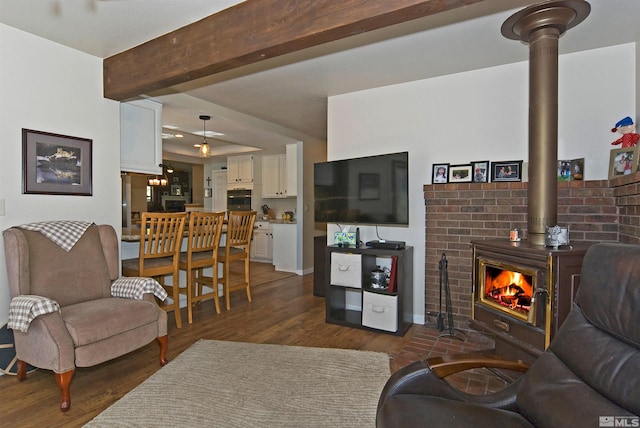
pixel 239 200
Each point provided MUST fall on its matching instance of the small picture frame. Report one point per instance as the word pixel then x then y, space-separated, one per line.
pixel 208 192
pixel 480 170
pixel 564 170
pixel 623 161
pixel 569 170
pixel 460 173
pixel 440 173
pixel 54 164
pixel 506 171
pixel 577 169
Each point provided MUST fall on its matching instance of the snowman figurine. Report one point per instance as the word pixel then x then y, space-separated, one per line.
pixel 627 129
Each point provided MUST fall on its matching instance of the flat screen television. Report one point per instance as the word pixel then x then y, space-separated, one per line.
pixel 367 190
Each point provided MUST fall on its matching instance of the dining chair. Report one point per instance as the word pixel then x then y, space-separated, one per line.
pixel 160 243
pixel 237 247
pixel 203 240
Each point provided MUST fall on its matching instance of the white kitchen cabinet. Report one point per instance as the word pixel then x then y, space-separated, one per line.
pixel 262 245
pixel 292 170
pixel 285 246
pixel 240 171
pixel 141 137
pixel 280 174
pixel 274 176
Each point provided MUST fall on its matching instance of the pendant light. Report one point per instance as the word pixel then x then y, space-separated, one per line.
pixel 205 150
pixel 160 180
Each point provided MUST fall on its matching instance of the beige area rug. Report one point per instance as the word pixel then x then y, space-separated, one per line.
pixel 231 384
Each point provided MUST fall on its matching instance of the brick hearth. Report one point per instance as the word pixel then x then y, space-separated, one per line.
pixel 456 214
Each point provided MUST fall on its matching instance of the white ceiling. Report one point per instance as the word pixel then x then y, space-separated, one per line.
pixel 282 100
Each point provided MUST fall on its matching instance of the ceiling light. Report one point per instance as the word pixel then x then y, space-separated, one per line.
pixel 205 150
pixel 169 168
pixel 168 136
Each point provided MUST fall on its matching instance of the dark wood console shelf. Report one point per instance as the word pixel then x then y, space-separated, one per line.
pixel 351 301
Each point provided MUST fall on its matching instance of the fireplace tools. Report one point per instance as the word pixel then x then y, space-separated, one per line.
pixel 444 283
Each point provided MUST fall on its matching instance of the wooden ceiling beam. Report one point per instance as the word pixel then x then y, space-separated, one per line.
pixel 250 32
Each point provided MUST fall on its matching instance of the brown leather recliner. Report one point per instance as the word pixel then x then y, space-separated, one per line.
pixel 90 326
pixel 590 371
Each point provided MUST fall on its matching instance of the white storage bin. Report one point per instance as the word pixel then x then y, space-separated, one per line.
pixel 380 311
pixel 346 270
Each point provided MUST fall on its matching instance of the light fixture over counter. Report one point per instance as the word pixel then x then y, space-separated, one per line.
pixel 157 181
pixel 205 150
pixel 160 180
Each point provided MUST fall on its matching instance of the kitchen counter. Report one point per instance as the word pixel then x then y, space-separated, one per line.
pixel 279 221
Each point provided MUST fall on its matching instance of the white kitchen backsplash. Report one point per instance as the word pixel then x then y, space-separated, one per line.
pixel 277 205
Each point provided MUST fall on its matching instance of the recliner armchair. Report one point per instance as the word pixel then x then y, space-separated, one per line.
pixel 90 326
pixel 589 375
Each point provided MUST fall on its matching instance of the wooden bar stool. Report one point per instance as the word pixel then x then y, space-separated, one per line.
pixel 160 243
pixel 203 241
pixel 237 246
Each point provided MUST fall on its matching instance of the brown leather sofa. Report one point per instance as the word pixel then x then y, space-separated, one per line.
pixel 90 326
pixel 588 377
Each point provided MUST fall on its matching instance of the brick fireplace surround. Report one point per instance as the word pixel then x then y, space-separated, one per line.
pixel 456 214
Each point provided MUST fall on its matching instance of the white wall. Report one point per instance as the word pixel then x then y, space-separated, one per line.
pixel 480 115
pixel 48 87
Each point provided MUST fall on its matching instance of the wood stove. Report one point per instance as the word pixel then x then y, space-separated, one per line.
pixel 522 293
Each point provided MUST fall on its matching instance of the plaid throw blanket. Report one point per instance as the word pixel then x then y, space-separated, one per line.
pixel 133 287
pixel 24 309
pixel 65 233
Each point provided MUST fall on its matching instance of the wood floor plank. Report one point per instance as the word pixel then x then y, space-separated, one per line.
pixel 283 311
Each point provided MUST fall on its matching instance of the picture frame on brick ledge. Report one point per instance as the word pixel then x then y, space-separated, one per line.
pixel 460 173
pixel 440 173
pixel 623 161
pixel 480 171
pixel 506 171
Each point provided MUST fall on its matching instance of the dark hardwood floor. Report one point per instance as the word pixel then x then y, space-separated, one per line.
pixel 284 311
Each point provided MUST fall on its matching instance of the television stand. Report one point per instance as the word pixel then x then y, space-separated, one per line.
pixel 352 300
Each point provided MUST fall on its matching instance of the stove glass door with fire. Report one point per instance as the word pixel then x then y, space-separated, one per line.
pixel 508 288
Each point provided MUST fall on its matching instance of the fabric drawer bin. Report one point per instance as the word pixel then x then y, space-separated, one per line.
pixel 380 311
pixel 346 270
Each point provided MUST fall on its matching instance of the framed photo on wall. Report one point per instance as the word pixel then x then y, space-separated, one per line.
pixel 55 164
pixel 460 173
pixel 506 171
pixel 623 161
pixel 440 173
pixel 480 171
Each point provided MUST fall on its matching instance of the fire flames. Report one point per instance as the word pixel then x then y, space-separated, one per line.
pixel 509 289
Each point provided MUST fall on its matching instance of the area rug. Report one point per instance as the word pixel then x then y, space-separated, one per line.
pixel 232 384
